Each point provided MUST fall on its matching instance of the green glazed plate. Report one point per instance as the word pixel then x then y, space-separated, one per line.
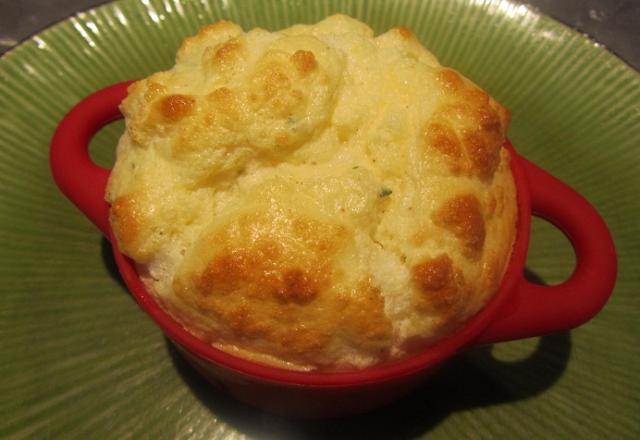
pixel 79 359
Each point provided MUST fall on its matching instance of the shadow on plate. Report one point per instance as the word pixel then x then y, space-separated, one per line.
pixel 471 380
pixel 106 252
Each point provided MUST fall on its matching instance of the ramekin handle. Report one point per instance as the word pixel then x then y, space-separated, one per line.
pixel 81 180
pixel 536 310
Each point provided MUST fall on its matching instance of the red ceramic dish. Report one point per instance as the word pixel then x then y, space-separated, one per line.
pixel 519 309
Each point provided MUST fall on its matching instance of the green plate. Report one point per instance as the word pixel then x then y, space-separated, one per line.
pixel 80 359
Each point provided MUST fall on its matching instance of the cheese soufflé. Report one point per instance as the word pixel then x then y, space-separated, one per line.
pixel 316 198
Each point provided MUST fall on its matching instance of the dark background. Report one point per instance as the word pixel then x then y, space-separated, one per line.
pixel 613 23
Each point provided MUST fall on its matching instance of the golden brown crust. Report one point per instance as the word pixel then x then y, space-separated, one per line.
pixel 125 219
pixel 227 52
pixel 212 32
pixel 175 107
pixel 405 32
pixel 297 286
pixel 467 118
pixel 451 81
pixel 305 61
pixel 462 216
pixel 442 288
pixel 362 316
pixel 260 284
pixel 316 197
pixel 434 274
pixel 442 137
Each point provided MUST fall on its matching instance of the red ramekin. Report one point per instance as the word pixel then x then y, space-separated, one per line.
pixel 519 309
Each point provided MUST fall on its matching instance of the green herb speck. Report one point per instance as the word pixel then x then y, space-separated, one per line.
pixel 384 192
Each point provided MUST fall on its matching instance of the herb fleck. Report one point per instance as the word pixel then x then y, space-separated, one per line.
pixel 384 192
